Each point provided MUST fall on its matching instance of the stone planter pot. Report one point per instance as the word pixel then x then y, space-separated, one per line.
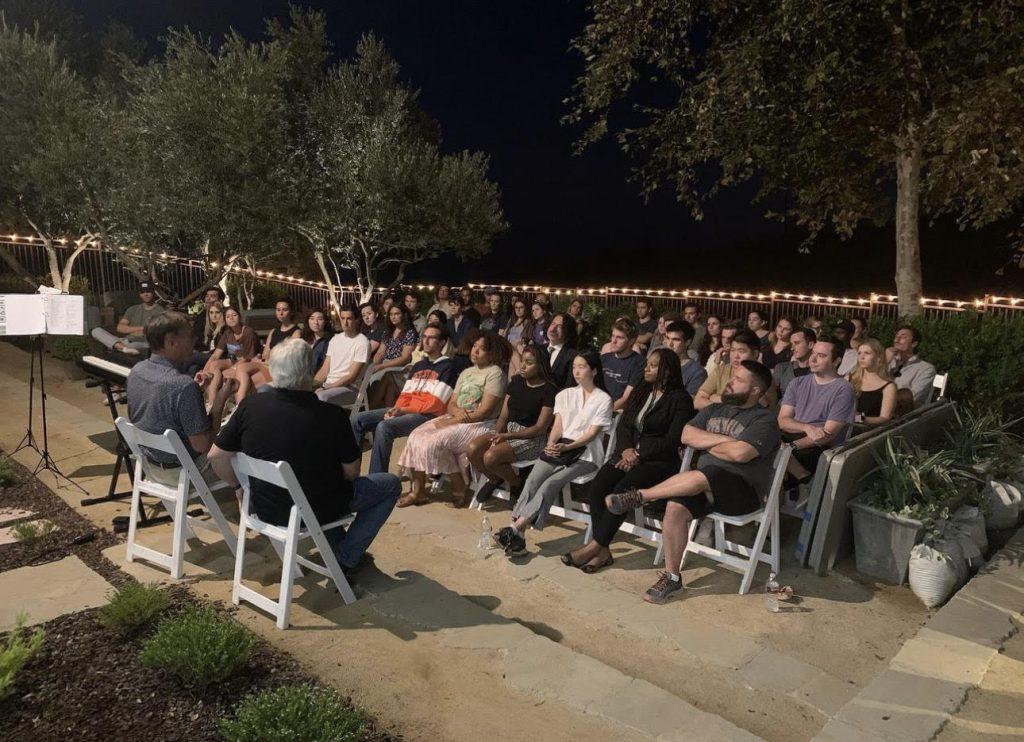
pixel 882 542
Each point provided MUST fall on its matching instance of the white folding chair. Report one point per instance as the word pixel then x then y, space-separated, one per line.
pixel 939 385
pixel 737 556
pixel 302 524
pixel 174 498
pixel 360 403
pixel 649 529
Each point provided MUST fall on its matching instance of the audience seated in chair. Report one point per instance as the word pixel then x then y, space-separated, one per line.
pixel 371 325
pixel 907 368
pixel 701 330
pixel 203 327
pixel 817 410
pixel 238 344
pixel 130 328
pixel 778 349
pixel 441 294
pixel 744 346
pixel 720 353
pixel 521 432
pixel 318 333
pixel 256 368
pixel 458 321
pixel 842 333
pixel 678 337
pixel 739 439
pixel 583 413
pixel 800 343
pixel 289 423
pixel 494 317
pixel 411 302
pixel 757 323
pixel 437 446
pixel 424 396
pixel 646 325
pixel 395 352
pixel 162 397
pixel 647 442
pixel 623 367
pixel 347 354
pixel 876 392
pixel 563 342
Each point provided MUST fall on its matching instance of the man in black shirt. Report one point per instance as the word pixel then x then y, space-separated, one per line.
pixel 646 324
pixel 290 424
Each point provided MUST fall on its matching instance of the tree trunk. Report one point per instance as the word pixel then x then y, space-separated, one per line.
pixel 908 239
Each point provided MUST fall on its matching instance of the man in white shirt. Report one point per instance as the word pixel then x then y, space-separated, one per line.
pixel 907 369
pixel 347 354
pixel 842 332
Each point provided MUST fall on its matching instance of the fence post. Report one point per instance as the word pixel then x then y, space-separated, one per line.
pixel 771 310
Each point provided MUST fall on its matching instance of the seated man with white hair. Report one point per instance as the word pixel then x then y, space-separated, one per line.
pixel 291 424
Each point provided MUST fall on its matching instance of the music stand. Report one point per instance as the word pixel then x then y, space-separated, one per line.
pixel 37 315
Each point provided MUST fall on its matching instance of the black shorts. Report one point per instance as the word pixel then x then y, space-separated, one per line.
pixel 733 495
pixel 808 457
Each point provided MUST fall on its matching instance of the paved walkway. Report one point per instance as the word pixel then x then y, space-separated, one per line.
pixel 49 590
pixel 445 644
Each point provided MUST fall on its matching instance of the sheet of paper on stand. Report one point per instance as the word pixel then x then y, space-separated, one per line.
pixel 65 314
pixel 22 314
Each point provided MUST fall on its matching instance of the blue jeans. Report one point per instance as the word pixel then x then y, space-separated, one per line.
pixel 373 498
pixel 384 433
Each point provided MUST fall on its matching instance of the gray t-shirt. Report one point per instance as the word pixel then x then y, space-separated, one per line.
pixel 160 396
pixel 754 425
pixel 693 376
pixel 137 316
pixel 817 404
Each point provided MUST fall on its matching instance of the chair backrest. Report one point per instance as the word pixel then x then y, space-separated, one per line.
pixel 277 473
pixel 939 384
pixel 168 442
pixel 687 460
pixel 364 388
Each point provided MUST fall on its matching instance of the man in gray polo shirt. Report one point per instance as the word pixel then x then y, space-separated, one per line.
pixel 161 396
pixel 907 369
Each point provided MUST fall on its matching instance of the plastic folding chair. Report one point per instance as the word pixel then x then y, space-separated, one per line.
pixel 175 499
pixel 302 525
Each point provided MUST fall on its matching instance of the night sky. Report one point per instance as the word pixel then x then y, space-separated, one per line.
pixel 494 74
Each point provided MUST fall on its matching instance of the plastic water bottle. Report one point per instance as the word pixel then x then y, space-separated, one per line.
pixel 486 542
pixel 771 594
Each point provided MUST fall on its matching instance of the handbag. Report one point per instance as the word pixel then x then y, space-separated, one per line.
pixel 566 458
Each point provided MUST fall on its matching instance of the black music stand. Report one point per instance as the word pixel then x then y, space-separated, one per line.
pixel 46 462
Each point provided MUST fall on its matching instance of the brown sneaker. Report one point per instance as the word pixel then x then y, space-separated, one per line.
pixel 663 589
pixel 621 503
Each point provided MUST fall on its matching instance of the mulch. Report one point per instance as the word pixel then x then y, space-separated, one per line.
pixel 28 493
pixel 87 683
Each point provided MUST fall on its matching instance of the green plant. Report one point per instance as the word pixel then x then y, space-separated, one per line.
pixel 6 472
pixel 67 347
pixel 199 646
pixel 982 437
pixel 296 713
pixel 16 653
pixel 133 607
pixel 32 529
pixel 914 483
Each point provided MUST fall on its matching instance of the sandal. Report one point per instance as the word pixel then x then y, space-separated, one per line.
pixel 568 561
pixel 406 500
pixel 459 502
pixel 590 569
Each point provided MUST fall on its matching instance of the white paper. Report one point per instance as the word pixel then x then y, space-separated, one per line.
pixel 64 313
pixel 22 314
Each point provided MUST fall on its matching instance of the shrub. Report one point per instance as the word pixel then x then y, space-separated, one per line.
pixel 133 607
pixel 16 653
pixel 297 713
pixel 31 530
pixel 6 472
pixel 67 347
pixel 199 646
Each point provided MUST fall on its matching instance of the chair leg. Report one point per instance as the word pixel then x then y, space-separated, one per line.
pixel 133 519
pixel 239 560
pixel 776 551
pixel 755 554
pixel 689 540
pixel 178 543
pixel 660 552
pixel 589 533
pixel 287 578
pixel 219 520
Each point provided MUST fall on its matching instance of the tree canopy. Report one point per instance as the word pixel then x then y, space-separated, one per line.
pixel 845 111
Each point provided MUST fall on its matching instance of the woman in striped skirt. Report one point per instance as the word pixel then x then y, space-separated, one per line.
pixel 437 446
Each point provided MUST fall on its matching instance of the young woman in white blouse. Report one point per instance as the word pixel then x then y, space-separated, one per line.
pixel 583 413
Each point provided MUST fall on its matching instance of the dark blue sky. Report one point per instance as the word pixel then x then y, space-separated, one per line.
pixel 494 74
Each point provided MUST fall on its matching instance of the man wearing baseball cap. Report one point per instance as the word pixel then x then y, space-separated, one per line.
pixel 129 338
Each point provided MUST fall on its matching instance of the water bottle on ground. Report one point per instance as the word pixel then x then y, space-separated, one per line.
pixel 486 542
pixel 771 594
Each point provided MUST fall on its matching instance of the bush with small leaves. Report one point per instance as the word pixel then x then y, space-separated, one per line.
pixel 133 607
pixel 32 529
pixel 199 646
pixel 296 713
pixel 6 472
pixel 15 654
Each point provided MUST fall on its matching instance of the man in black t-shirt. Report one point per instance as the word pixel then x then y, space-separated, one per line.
pixel 290 424
pixel 738 439
pixel 646 324
pixel 622 367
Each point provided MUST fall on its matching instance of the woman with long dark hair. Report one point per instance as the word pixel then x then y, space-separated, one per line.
pixel 521 431
pixel 318 333
pixel 519 327
pixel 395 353
pixel 647 442
pixel 372 327
pixel 778 350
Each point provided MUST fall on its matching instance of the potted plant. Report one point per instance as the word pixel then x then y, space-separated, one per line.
pixel 908 491
pixel 984 442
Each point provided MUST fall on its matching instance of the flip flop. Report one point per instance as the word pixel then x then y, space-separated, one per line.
pixel 591 569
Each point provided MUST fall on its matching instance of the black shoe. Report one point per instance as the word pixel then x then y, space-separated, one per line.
pixel 516 546
pixel 486 490
pixel 503 536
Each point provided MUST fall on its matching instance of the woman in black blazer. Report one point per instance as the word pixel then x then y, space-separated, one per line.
pixel 647 441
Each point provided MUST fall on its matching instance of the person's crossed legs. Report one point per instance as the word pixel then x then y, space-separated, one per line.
pixel 385 431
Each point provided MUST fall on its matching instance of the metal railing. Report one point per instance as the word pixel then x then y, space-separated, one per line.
pixel 107 274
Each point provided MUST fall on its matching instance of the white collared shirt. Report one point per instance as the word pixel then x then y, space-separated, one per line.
pixel 580 413
pixel 553 351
